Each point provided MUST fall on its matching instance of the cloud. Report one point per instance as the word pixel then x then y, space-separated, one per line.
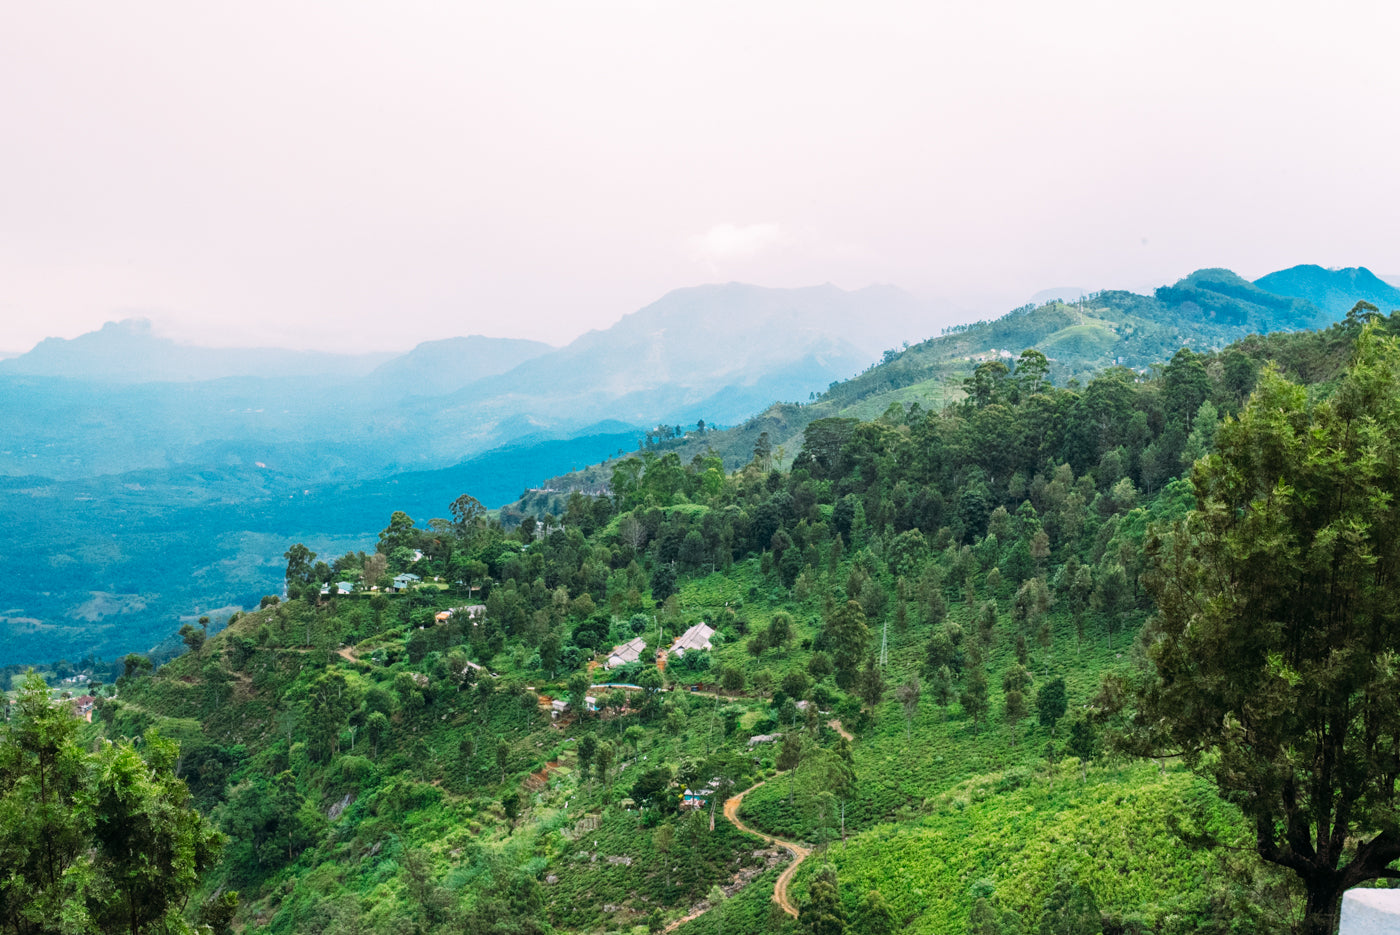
pixel 725 242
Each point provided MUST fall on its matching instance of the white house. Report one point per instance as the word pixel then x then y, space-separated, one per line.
pixel 629 651
pixel 697 637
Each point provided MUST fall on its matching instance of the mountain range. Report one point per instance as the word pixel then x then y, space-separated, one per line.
pixel 134 495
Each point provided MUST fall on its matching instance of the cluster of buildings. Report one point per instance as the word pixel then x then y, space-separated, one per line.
pixel 695 638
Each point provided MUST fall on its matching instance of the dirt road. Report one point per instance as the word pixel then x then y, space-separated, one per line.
pixel 799 853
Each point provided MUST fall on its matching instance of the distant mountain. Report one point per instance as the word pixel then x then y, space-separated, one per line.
pixel 713 352
pixel 127 352
pixel 1226 300
pixel 126 502
pixel 1206 310
pixel 1334 291
pixel 127 505
pixel 436 368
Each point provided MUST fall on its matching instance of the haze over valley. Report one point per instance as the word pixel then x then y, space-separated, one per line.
pixel 148 483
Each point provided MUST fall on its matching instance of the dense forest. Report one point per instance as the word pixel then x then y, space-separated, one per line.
pixel 940 660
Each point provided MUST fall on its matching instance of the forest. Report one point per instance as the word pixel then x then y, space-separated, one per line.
pixel 957 654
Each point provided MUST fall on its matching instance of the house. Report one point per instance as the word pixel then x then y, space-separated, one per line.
pixel 82 707
pixel 764 738
pixel 344 587
pixel 697 798
pixel 630 651
pixel 697 637
pixel 557 707
pixel 405 581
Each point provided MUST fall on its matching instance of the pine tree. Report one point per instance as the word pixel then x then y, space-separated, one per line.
pixel 822 912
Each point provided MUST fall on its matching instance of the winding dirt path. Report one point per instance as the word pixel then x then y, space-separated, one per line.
pixel 798 851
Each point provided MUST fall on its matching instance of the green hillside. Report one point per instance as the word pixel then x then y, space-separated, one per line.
pixel 926 635
pixel 1334 291
pixel 1205 311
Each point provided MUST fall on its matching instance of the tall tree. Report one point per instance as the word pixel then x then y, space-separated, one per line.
pixel 1273 651
pixel 300 566
pixel 908 695
pixel 975 698
pixel 467 516
pixel 846 636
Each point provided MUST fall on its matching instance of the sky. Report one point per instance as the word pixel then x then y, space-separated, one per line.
pixel 364 176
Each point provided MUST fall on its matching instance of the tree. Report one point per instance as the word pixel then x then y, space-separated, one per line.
pixel 822 912
pixel 135 664
pixel 1084 744
pixel 975 699
pixel 502 757
pixel 789 758
pixel 587 747
pixel 873 916
pixel 846 636
pixel 663 582
pixel 732 679
pixel 1070 909
pixel 376 567
pixel 1272 655
pixel 871 685
pixel 510 806
pixel 763 452
pixel 908 695
pixel 579 684
pixel 943 694
pixel 104 842
pixel 300 568
pixel 151 844
pixel 1051 703
pixel 193 637
pixel 467 515
pixel 377 724
pixel 603 761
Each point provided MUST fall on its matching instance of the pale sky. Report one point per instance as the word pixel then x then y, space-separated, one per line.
pixel 356 176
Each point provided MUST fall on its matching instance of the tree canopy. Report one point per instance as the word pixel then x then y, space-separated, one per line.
pixel 103 842
pixel 1276 650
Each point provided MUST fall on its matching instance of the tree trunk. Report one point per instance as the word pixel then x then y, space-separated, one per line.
pixel 1321 912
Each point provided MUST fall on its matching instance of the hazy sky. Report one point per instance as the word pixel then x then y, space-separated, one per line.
pixel 352 176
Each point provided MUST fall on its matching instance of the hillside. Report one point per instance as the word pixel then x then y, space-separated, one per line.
pixel 134 503
pixel 1333 291
pixel 903 606
pixel 244 465
pixel 1204 311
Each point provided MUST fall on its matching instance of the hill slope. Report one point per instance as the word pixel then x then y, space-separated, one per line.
pixel 927 583
pixel 1204 311
pixel 1334 291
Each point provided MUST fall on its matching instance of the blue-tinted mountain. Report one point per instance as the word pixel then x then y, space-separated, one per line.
pixel 128 352
pixel 436 368
pixel 1334 291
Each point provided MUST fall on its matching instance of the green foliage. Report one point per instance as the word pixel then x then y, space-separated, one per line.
pixel 1277 594
pixel 371 775
pixel 93 842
